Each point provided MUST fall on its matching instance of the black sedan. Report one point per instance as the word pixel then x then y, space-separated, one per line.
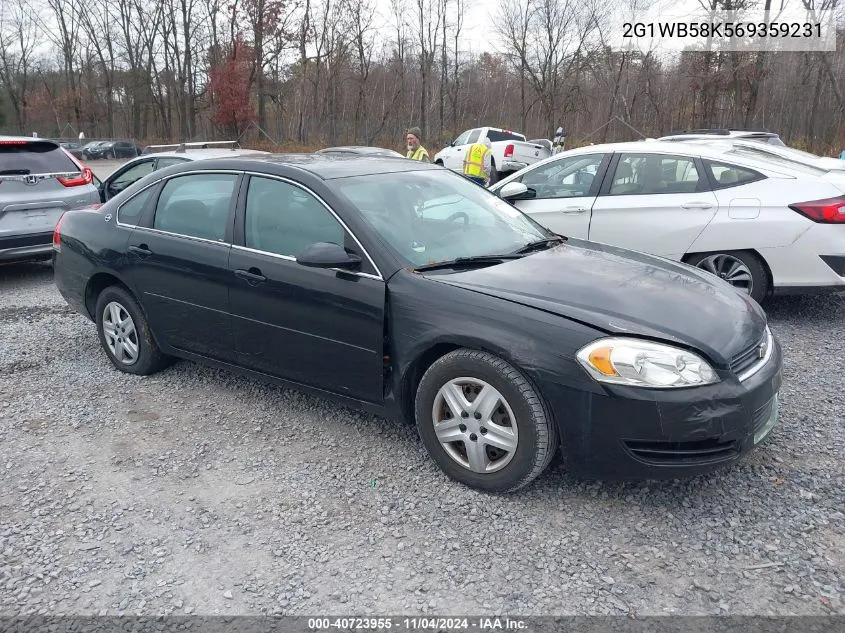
pixel 408 291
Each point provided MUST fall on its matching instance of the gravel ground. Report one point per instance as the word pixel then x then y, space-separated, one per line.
pixel 197 491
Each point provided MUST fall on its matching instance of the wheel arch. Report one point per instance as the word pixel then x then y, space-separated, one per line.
pixel 426 356
pixel 687 258
pixel 97 283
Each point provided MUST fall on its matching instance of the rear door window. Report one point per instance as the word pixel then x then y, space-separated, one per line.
pixel 196 205
pixel 26 157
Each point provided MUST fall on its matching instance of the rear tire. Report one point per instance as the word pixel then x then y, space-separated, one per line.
pixel 504 449
pixel 125 334
pixel 742 269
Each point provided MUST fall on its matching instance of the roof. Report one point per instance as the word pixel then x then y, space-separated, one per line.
pixel 32 139
pixel 325 166
pixel 203 154
pixel 359 149
pixel 713 151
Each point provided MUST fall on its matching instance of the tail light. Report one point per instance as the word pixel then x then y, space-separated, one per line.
pixel 57 235
pixel 827 211
pixel 86 178
pixel 508 151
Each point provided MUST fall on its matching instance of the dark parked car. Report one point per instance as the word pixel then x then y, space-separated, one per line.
pixel 74 149
pixel 112 149
pixel 412 292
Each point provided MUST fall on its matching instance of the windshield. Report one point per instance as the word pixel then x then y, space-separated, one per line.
pixel 431 216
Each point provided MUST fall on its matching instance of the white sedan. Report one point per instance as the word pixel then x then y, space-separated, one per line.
pixel 764 226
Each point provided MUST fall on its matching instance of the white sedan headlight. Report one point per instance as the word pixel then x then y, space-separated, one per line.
pixel 629 361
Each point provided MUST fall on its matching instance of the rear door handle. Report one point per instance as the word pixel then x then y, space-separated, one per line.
pixel 574 209
pixel 252 276
pixel 140 251
pixel 697 205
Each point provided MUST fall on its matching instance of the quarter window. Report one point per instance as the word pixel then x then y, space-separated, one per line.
pixel 196 205
pixel 130 211
pixel 283 219
pixel 725 175
pixel 649 174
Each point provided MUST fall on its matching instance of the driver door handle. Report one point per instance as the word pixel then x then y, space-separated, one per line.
pixel 140 251
pixel 252 276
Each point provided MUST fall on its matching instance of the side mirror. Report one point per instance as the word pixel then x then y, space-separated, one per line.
pixel 328 255
pixel 516 191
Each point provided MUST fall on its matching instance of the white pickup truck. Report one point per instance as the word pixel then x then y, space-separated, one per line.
pixel 511 152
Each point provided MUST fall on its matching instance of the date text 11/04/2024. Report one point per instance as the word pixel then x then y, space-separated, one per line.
pixel 418 624
pixel 722 29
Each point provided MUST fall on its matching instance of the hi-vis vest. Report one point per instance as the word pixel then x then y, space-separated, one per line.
pixel 419 154
pixel 474 161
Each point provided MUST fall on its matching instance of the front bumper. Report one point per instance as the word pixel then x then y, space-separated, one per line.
pixel 629 433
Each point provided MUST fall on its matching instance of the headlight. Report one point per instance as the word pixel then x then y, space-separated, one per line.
pixel 628 361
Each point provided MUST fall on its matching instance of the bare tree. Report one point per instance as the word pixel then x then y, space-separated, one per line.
pixel 18 39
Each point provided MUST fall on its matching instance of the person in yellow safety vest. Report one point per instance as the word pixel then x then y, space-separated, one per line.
pixel 479 162
pixel 415 150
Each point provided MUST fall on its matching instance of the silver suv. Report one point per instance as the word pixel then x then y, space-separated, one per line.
pixel 39 180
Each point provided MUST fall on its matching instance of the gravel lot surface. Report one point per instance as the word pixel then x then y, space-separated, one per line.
pixel 197 491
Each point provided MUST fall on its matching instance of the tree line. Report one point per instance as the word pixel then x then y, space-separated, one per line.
pixel 308 73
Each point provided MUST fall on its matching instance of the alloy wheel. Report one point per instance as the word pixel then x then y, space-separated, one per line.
pixel 120 333
pixel 475 425
pixel 731 269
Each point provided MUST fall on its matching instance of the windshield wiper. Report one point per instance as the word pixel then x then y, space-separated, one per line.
pixel 533 246
pixel 468 262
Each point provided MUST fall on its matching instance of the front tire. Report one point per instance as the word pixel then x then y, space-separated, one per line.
pixel 125 334
pixel 483 423
pixel 742 269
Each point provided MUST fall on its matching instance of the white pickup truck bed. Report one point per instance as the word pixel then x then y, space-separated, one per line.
pixel 511 152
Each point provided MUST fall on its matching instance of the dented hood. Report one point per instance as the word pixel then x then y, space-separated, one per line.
pixel 625 292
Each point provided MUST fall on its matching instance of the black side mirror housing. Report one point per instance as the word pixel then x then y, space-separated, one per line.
pixel 328 255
